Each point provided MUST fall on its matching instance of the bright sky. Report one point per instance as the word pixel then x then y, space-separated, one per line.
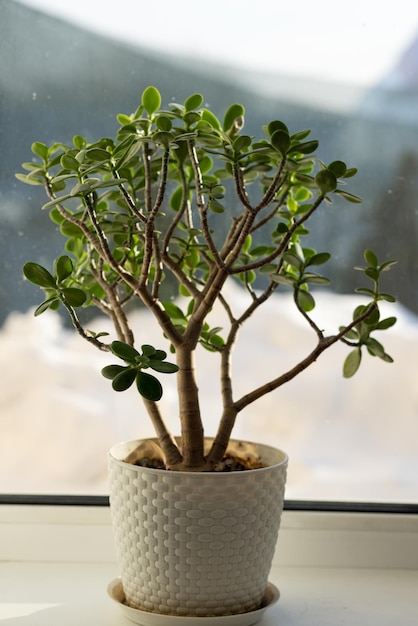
pixel 355 42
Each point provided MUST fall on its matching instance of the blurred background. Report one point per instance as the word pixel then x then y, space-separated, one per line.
pixel 70 68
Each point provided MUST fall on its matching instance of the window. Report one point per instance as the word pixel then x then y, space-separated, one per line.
pixel 351 78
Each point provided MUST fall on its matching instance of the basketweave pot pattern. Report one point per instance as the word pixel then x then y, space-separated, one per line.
pixel 195 544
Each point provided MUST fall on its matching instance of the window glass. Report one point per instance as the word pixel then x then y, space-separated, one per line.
pixel 348 74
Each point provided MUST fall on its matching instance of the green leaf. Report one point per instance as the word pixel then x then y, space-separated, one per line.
pixel 242 143
pixel 211 119
pixel 151 100
pixel 373 318
pixel 302 194
pixel 352 171
pixel 349 196
pixel 215 206
pixel 149 387
pixel 387 297
pixel 73 296
pixel 315 279
pixel 69 162
pixel 51 303
pixel 280 141
pixel 319 259
pixel 234 112
pixel 388 322
pixel 98 154
pixel 40 149
pixel 56 201
pixel 305 148
pixel 372 273
pixel 387 265
pixel 38 275
pixel 124 379
pixel 176 199
pixel 159 355
pixel 277 125
pixel 305 300
pixel 283 280
pixel 63 267
pixel 79 142
pixel 110 371
pixel 70 230
pixel 371 258
pixel 375 348
pixel 124 351
pixel 28 179
pixel 193 102
pixel 163 137
pixel 326 181
pixel 365 290
pixel 163 366
pixel 352 363
pixel 338 168
pixel 124 120
pixel 174 312
pixel 147 350
pixel 163 123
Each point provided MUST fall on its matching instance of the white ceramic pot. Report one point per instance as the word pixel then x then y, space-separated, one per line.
pixel 195 544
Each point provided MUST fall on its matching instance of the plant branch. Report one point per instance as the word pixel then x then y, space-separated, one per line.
pixel 323 344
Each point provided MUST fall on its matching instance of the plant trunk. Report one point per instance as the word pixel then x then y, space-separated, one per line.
pixel 190 415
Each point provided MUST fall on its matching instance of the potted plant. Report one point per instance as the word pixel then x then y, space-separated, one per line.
pixel 177 205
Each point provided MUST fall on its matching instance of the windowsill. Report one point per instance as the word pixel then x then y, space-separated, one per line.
pixel 331 568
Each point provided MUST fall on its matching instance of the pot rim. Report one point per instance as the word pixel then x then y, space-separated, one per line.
pixel 268 450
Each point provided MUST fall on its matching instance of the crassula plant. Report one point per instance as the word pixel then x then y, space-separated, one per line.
pixel 179 203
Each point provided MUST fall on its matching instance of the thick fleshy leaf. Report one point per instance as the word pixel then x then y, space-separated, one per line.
pixel 350 197
pixel 193 102
pixel 326 181
pixel 277 125
pixel 338 168
pixel 242 143
pixel 388 322
pixel 305 300
pixel 319 258
pixel 74 297
pixel 151 100
pixel 149 387
pixel 375 348
pixel 40 149
pixel 79 142
pixel 124 351
pixel 234 112
pixel 147 350
pixel 51 303
pixel 280 141
pixel 98 154
pixel 38 275
pixel 352 363
pixel 63 267
pixel 163 366
pixel 211 119
pixel 110 371
pixel 29 179
pixel 371 258
pixel 124 379
pixel 69 162
pixel 305 148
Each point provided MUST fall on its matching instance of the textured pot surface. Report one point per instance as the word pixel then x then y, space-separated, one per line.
pixel 197 544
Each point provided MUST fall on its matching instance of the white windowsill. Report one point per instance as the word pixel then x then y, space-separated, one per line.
pixel 331 568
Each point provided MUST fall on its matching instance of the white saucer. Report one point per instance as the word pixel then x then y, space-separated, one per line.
pixel 146 618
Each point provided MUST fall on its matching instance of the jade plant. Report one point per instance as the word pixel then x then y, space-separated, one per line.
pixel 177 204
